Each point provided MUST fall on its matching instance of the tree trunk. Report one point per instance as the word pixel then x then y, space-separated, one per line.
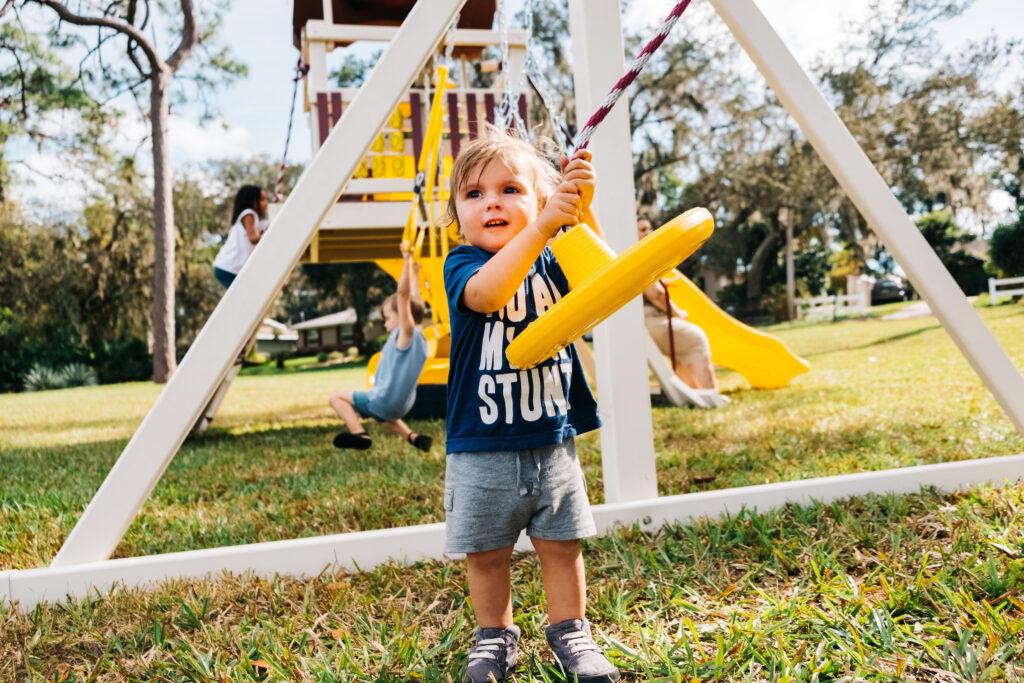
pixel 359 336
pixel 757 264
pixel 790 269
pixel 3 173
pixel 164 360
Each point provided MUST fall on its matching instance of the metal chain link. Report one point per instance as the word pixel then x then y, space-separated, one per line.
pixel 501 114
pixel 450 38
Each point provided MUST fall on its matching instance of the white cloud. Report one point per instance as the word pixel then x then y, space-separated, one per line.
pixel 217 139
pixel 189 141
pixel 51 186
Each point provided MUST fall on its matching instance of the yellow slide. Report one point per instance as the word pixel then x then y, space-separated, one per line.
pixel 762 359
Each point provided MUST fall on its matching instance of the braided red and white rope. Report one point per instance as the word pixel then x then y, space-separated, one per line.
pixel 583 137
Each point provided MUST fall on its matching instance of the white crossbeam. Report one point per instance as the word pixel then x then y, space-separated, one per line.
pixel 161 433
pixel 364 550
pixel 850 165
pixel 465 37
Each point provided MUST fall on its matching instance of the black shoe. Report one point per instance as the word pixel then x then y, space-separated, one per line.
pixel 422 441
pixel 581 658
pixel 359 441
pixel 494 654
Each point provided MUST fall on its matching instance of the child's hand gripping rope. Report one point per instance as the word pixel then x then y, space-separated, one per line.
pixel 570 201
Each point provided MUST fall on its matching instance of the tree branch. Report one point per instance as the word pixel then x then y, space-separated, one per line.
pixel 21 79
pixel 189 37
pixel 7 6
pixel 118 25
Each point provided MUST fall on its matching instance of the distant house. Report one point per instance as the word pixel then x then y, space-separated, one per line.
pixel 333 332
pixel 272 336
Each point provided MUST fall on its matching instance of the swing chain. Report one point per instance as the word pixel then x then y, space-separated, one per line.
pixel 513 103
pixel 535 77
pixel 300 72
pixel 585 133
pixel 449 47
pixel 501 115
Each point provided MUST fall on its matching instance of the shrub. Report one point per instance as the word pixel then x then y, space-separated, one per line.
pixel 43 378
pixel 733 298
pixel 336 356
pixel 321 357
pixel 279 357
pixel 14 351
pixel 77 375
pixel 375 345
pixel 125 359
pixel 1007 248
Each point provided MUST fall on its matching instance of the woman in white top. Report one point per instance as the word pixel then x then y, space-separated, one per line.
pixel 247 227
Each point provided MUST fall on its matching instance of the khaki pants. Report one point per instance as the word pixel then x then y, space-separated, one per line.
pixel 690 342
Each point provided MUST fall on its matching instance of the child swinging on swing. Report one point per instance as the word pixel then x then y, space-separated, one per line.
pixel 401 362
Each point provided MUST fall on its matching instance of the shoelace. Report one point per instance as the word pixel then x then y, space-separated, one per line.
pixel 579 641
pixel 486 649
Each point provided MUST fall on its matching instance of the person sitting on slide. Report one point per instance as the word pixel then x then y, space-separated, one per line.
pixel 682 341
pixel 401 362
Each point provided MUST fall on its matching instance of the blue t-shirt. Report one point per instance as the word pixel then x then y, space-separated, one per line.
pixel 491 405
pixel 394 382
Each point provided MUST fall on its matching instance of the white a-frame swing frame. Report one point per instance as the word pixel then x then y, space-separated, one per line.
pixel 81 567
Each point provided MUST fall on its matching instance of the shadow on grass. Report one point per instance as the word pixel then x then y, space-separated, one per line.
pixel 223 489
pixel 706 461
pixel 73 472
pixel 877 342
pixel 260 371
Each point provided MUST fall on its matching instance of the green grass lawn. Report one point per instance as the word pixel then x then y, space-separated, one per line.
pixel 926 586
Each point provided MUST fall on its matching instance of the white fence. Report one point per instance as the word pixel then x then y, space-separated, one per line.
pixel 833 306
pixel 994 293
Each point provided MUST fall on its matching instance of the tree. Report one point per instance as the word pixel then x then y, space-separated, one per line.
pixel 1007 247
pixel 946 239
pixel 143 66
pixel 33 83
pixel 916 112
pixel 361 286
pixel 77 291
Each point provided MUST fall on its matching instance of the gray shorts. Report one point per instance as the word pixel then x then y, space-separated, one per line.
pixel 491 496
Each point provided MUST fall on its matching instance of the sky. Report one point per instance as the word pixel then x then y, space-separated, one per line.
pixel 260 37
pixel 253 112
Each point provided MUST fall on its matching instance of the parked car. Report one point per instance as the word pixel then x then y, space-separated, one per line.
pixel 887 291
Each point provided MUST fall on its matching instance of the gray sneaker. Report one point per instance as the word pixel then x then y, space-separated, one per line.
pixel 493 655
pixel 581 658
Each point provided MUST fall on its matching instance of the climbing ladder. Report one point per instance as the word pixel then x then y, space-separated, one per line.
pixel 367 222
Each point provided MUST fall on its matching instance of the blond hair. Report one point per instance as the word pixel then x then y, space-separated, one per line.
pixel 512 151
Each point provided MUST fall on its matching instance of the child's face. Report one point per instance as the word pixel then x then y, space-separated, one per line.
pixel 643 228
pixel 495 204
pixel 390 317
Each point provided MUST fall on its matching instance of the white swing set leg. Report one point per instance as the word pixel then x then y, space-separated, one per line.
pixel 860 180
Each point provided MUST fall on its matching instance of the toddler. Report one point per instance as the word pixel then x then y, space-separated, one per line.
pixel 511 462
